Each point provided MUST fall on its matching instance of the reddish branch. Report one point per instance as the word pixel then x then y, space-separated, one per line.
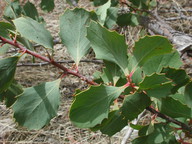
pixel 51 61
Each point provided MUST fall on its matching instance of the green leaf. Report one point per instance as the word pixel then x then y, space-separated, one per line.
pixel 5 29
pixel 47 5
pixel 13 10
pixel 106 77
pixel 37 105
pixel 4 49
pixel 73 32
pixel 128 19
pixel 140 4
pixel 25 42
pixel 92 106
pixel 162 134
pixel 101 2
pixel 150 46
pixel 7 72
pixel 108 45
pixel 188 94
pixel 114 70
pixel 179 97
pixel 32 30
pixel 9 96
pixel 102 12
pixel 111 18
pixel 152 81
pixel 134 104
pixel 153 3
pixel 136 127
pixel 31 11
pixel 178 76
pixel 113 124
pixel 174 108
pixel 156 85
pixel 72 2
pixel 137 75
pixel 156 63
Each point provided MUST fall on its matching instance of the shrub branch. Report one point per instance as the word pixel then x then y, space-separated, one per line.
pixel 45 59
pixel 169 119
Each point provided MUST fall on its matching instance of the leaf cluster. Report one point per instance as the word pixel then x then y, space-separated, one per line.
pixel 148 76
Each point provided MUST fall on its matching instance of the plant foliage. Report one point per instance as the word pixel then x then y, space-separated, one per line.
pixel 148 76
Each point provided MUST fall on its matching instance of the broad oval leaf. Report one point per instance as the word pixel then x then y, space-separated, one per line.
pixel 174 108
pixel 156 63
pixel 162 134
pixel 47 5
pixel 108 45
pixel 5 28
pixel 9 96
pixel 73 32
pixel 7 72
pixel 31 11
pixel 150 46
pixel 112 14
pixel 34 31
pixel 188 94
pixel 128 19
pixel 179 77
pixel 156 85
pixel 92 106
pixel 114 71
pixel 37 105
pixel 113 124
pixel 102 12
pixel 134 104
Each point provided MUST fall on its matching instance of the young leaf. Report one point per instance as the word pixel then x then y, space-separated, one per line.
pixel 73 32
pixel 37 105
pixel 150 46
pixel 7 72
pixel 108 45
pixel 102 12
pixel 174 108
pixel 188 94
pixel 156 85
pixel 178 76
pixel 134 104
pixel 90 107
pixel 9 96
pixel 156 63
pixel 47 5
pixel 32 30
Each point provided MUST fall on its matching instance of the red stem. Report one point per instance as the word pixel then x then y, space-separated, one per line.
pixel 66 70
